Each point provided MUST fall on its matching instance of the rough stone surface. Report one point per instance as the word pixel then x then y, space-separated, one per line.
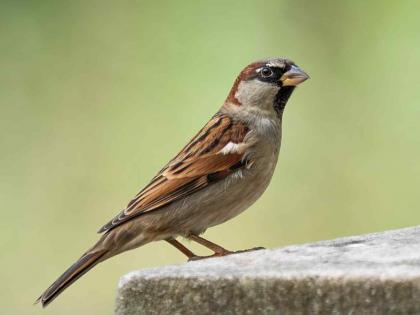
pixel 371 274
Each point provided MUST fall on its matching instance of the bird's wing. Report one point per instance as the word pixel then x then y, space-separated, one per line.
pixel 214 153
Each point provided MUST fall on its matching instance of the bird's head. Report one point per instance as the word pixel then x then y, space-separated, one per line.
pixel 265 86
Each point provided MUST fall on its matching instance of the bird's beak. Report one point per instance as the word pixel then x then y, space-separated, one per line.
pixel 294 77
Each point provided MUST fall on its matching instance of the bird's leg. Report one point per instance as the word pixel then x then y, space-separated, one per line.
pixel 218 250
pixel 181 248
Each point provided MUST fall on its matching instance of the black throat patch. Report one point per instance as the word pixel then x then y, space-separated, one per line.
pixel 281 98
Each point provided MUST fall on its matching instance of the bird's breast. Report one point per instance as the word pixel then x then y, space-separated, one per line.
pixel 241 189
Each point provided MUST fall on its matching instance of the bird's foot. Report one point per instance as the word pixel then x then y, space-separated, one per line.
pixel 225 253
pixel 248 250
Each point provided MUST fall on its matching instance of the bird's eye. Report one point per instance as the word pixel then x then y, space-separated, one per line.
pixel 266 72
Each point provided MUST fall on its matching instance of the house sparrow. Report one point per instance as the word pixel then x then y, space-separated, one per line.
pixel 222 171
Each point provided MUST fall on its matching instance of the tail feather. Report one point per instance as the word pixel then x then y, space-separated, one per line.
pixel 78 269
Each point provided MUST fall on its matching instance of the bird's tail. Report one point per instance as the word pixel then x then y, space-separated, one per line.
pixel 78 269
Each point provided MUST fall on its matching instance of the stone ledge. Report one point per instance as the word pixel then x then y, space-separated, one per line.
pixel 377 273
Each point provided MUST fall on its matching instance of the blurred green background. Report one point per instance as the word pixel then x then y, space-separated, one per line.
pixel 96 96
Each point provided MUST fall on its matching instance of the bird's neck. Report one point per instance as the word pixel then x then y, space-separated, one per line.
pixel 266 124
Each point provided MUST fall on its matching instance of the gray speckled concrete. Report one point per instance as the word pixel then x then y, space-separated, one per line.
pixel 371 274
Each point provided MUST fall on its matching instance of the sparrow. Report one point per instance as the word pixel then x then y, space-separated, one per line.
pixel 223 170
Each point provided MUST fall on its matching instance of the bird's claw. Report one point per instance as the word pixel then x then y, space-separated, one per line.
pixel 194 258
pixel 249 250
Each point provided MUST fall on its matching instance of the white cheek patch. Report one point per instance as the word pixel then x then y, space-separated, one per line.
pixel 230 148
pixel 256 93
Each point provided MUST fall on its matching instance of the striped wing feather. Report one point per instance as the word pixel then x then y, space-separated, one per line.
pixel 199 164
